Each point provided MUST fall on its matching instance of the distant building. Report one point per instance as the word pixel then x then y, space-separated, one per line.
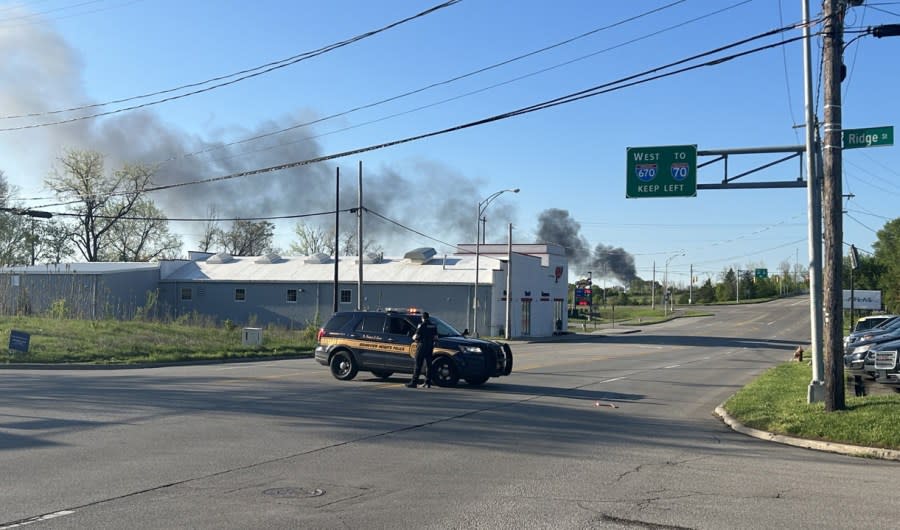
pixel 297 291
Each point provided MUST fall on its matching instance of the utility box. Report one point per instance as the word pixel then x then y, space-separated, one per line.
pixel 252 337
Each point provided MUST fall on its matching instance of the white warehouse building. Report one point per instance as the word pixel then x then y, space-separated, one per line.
pixel 297 291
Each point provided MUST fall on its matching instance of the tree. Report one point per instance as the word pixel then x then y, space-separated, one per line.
pixel 99 199
pixel 887 255
pixel 14 230
pixel 311 240
pixel 53 242
pixel 142 236
pixel 706 293
pixel 247 238
pixel 725 289
pixel 211 230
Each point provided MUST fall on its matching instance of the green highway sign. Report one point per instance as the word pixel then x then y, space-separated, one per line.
pixel 663 171
pixel 761 273
pixel 870 137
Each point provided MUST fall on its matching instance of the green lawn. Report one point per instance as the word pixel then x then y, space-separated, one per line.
pixel 776 402
pixel 112 341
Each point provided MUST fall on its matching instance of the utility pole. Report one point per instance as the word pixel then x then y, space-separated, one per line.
pixel 653 288
pixel 337 236
pixel 832 44
pixel 359 241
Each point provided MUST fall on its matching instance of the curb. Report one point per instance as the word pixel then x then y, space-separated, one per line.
pixel 575 336
pixel 141 366
pixel 816 445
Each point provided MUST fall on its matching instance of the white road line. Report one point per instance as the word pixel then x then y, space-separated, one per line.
pixel 673 366
pixel 38 519
pixel 611 380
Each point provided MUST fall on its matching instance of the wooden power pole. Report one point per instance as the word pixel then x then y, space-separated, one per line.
pixel 832 67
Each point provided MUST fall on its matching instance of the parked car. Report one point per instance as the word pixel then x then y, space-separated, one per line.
pixel 861 364
pixel 868 322
pixel 887 364
pixel 874 334
pixel 381 342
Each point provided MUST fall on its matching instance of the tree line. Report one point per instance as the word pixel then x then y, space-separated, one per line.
pixel 109 216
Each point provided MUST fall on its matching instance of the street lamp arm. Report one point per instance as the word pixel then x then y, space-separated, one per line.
pixel 482 206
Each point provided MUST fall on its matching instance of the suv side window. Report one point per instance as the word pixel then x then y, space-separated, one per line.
pixel 371 323
pixel 400 326
pixel 338 321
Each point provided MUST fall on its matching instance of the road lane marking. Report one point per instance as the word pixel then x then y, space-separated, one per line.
pixel 672 366
pixel 38 519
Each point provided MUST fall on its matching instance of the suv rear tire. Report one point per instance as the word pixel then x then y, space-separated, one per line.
pixel 343 366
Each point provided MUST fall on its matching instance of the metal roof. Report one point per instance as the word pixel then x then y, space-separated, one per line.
pixel 453 269
pixel 98 267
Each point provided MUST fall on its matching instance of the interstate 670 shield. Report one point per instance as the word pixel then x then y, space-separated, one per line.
pixel 662 171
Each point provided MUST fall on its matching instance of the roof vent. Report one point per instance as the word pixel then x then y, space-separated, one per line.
pixel 271 257
pixel 221 257
pixel 318 258
pixel 373 257
pixel 420 255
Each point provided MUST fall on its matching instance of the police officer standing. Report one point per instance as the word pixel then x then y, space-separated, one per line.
pixel 425 334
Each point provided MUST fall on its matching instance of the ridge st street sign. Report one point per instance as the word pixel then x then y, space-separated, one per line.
pixel 662 171
pixel 869 137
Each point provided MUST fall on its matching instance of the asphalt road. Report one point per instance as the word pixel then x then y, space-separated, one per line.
pixel 612 431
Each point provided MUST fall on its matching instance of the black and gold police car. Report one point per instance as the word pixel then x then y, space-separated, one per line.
pixel 381 342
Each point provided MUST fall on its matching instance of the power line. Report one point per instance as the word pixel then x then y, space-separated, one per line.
pixel 422 234
pixel 884 10
pixel 787 83
pixel 449 81
pixel 597 90
pixel 244 75
pixel 440 102
pixel 37 213
pixel 433 104
pixel 619 84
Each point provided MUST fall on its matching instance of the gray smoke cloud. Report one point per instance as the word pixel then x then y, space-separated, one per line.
pixel 41 73
pixel 557 226
pixel 613 261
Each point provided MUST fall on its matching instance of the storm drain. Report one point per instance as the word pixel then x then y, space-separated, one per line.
pixel 294 493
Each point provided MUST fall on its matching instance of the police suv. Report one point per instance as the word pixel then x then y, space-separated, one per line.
pixel 381 342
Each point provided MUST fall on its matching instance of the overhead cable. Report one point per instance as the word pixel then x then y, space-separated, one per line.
pixel 244 74
pixel 604 88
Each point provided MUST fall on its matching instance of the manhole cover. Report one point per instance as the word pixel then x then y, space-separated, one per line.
pixel 294 493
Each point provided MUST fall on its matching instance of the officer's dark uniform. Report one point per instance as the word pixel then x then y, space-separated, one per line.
pixel 425 334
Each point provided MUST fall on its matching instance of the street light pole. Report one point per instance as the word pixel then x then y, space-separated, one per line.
pixel 482 206
pixel 666 284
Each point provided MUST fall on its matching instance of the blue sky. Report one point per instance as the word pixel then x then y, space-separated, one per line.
pixel 62 54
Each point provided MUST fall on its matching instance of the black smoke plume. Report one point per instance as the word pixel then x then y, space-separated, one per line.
pixel 557 226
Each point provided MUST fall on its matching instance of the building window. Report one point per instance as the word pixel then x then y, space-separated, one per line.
pixel 240 295
pixel 291 296
pixel 346 296
pixel 187 294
